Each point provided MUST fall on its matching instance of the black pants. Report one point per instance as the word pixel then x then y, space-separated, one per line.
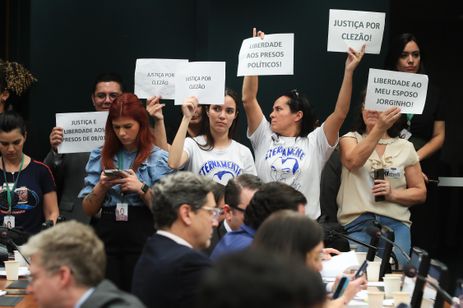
pixel 124 242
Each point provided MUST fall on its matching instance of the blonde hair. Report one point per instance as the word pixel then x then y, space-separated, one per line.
pixel 70 244
pixel 15 77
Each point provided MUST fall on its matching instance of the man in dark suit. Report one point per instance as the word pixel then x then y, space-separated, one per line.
pixel 67 269
pixel 237 194
pixel 171 265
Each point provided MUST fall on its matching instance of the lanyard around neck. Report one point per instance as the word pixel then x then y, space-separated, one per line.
pixel 8 190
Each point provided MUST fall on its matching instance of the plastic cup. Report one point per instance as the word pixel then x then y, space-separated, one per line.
pixel 375 299
pixel 12 269
pixel 401 297
pixel 373 270
pixel 391 284
pixel 19 258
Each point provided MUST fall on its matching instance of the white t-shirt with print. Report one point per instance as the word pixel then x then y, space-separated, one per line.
pixel 296 161
pixel 221 165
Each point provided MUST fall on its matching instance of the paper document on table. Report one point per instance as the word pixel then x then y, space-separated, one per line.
pixel 337 264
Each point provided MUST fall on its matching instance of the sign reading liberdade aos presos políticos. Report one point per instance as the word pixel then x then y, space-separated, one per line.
pixel 354 29
pixel 82 131
pixel 156 77
pixel 272 55
pixel 388 89
pixel 204 80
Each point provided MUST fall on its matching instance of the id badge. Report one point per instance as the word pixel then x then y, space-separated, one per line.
pixel 405 134
pixel 122 212
pixel 8 221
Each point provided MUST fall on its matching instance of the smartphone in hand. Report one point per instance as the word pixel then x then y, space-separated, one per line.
pixel 113 173
pixel 341 287
pixel 361 269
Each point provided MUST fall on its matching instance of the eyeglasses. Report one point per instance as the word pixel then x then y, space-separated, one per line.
pixel 112 95
pixel 215 212
pixel 238 209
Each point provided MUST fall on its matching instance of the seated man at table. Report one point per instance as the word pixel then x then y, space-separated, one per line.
pixel 270 197
pixel 170 267
pixel 67 269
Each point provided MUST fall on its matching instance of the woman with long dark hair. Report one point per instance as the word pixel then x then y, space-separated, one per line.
pixel 214 154
pixel 119 177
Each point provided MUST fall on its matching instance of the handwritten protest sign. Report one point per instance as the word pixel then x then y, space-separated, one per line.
pixel 388 89
pixel 82 131
pixel 355 28
pixel 205 80
pixel 156 77
pixel 273 55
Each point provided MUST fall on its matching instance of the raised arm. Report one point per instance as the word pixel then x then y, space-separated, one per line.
pixel 353 154
pixel 154 108
pixel 335 120
pixel 251 106
pixel 177 156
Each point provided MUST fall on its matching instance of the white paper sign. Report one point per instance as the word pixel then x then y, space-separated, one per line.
pixel 82 131
pixel 355 28
pixel 156 77
pixel 388 89
pixel 273 55
pixel 205 80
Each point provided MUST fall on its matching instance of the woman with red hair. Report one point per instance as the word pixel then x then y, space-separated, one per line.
pixel 119 177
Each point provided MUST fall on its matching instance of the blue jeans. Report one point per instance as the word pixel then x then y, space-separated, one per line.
pixel 356 229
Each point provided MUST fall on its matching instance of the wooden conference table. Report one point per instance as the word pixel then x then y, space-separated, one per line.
pixel 28 300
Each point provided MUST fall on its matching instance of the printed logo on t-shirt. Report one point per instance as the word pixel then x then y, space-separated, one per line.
pixel 221 171
pixel 285 164
pixel 22 200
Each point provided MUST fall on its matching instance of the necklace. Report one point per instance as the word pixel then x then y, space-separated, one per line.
pixel 387 141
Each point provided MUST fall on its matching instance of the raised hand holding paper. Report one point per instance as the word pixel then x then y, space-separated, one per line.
pixel 396 89
pixel 354 29
pixel 204 80
pixel 82 131
pixel 156 77
pixel 272 55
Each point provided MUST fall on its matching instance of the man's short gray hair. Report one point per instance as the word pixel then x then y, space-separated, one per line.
pixel 70 244
pixel 177 189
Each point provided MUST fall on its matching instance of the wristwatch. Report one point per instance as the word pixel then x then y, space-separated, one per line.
pixel 144 188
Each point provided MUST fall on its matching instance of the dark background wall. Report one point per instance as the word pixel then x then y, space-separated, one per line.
pixel 71 41
pixel 66 43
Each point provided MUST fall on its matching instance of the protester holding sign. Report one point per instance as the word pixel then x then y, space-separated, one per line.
pixel 290 149
pixel 426 131
pixel 214 154
pixel 27 191
pixel 119 177
pixel 69 169
pixel 381 178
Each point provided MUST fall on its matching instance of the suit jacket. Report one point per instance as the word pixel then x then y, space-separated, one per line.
pixel 106 294
pixel 217 234
pixel 69 172
pixel 167 274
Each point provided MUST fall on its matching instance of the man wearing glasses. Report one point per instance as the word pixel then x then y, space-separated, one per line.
pixel 69 169
pixel 170 267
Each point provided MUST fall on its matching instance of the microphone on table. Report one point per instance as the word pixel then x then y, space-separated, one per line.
pixel 349 238
pixel 376 232
pixel 411 271
pixel 4 236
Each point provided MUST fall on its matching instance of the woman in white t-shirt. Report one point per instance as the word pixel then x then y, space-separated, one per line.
pixel 291 149
pixel 214 154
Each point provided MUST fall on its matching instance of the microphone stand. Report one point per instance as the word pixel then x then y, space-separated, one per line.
pixel 353 239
